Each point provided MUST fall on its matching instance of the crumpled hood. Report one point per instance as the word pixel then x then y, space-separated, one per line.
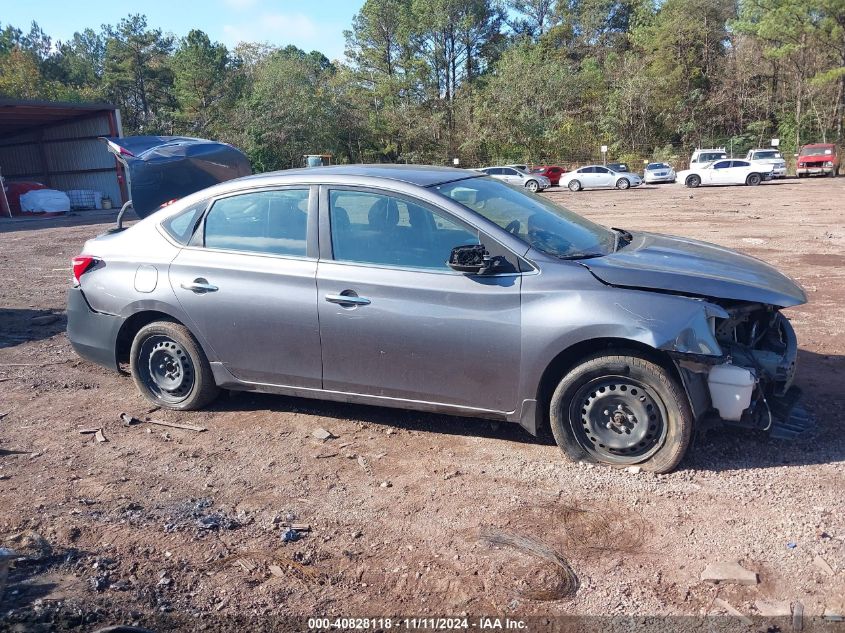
pixel 663 262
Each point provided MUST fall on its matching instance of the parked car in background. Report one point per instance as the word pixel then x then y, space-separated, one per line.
pixel 552 172
pixel 598 176
pixel 520 167
pixel 725 172
pixel 658 172
pixel 704 156
pixel 618 167
pixel 442 290
pixel 818 159
pixel 515 176
pixel 768 157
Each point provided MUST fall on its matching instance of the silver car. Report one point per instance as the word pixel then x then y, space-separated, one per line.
pixel 442 290
pixel 597 177
pixel 658 172
pixel 516 176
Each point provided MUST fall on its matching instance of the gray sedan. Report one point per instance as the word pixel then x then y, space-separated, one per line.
pixel 442 290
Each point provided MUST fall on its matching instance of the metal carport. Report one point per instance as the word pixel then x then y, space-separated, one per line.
pixel 55 143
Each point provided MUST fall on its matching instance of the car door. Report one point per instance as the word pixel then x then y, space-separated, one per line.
pixel 511 176
pixel 740 170
pixel 587 177
pixel 495 172
pixel 603 177
pixel 247 280
pixel 396 322
pixel 721 172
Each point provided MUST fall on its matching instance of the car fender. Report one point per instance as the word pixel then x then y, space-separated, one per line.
pixel 173 311
pixel 556 322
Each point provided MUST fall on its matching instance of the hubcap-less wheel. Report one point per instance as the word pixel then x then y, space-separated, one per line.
pixel 753 179
pixel 166 369
pixel 693 181
pixel 532 186
pixel 618 420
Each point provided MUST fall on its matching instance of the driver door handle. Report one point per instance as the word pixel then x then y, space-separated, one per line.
pixel 199 286
pixel 350 300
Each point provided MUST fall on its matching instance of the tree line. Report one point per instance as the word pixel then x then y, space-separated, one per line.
pixel 485 81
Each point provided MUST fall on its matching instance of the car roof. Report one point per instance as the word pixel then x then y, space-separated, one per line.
pixel 420 175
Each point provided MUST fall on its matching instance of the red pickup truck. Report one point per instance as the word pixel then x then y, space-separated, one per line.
pixel 818 159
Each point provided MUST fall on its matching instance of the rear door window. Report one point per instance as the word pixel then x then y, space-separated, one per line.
pixel 269 222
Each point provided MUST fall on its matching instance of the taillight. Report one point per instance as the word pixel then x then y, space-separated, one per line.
pixel 81 265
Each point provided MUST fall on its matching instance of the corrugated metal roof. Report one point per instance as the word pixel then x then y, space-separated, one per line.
pixel 18 116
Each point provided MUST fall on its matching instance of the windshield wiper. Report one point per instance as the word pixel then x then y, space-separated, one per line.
pixel 581 256
pixel 621 234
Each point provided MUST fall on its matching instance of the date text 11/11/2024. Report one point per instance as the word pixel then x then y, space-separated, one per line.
pixel 420 624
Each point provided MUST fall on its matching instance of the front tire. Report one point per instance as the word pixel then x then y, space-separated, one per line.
pixel 623 183
pixel 621 410
pixel 574 185
pixel 693 181
pixel 533 186
pixel 170 369
pixel 753 180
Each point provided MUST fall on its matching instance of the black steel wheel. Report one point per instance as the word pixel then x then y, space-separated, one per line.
pixel 621 409
pixel 618 420
pixel 753 180
pixel 169 367
pixel 693 181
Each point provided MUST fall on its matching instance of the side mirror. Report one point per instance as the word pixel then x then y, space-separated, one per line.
pixel 474 259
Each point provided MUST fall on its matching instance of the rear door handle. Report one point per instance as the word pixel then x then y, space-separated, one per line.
pixel 199 286
pixel 349 300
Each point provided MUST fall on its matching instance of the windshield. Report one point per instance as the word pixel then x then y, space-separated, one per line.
pixel 816 151
pixel 533 219
pixel 767 154
pixel 653 166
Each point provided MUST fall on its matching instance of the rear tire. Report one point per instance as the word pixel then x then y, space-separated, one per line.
pixel 574 185
pixel 170 369
pixel 693 181
pixel 622 409
pixel 753 180
pixel 623 183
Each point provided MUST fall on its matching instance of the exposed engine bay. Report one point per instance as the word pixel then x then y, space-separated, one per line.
pixel 751 384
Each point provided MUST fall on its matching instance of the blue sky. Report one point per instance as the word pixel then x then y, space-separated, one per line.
pixel 311 25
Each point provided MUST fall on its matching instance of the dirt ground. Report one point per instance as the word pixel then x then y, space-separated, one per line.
pixel 160 522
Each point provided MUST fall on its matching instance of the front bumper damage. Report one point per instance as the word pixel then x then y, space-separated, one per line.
pixel 751 384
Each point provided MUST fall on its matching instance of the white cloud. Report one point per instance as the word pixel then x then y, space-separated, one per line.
pixel 282 29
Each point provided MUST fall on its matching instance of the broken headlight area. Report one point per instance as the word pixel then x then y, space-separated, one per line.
pixel 751 384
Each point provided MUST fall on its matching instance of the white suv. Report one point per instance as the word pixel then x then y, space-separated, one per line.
pixel 768 157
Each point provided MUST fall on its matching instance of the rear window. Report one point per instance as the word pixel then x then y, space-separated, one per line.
pixel 181 226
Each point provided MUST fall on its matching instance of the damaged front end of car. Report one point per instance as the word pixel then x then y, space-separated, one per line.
pixel 750 385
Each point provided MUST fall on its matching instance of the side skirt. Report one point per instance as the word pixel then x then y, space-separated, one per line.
pixel 226 380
